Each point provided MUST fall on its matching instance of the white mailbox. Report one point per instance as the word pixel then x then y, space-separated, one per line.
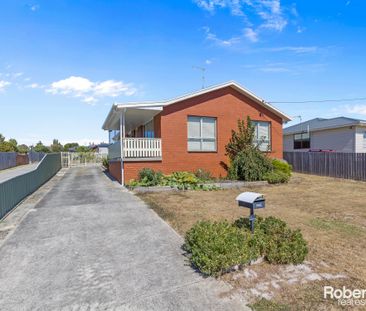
pixel 253 201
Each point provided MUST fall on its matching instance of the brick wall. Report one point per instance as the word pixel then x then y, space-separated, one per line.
pixel 227 105
pixel 115 169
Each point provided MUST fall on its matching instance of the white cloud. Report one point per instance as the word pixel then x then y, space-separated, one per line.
pixel 208 61
pixel 259 15
pixel 35 86
pixel 34 7
pixel 218 41
pixel 294 49
pixel 357 109
pixel 3 85
pixel 250 34
pixel 90 91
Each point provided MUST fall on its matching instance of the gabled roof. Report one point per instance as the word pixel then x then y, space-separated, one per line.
pixel 319 124
pixel 160 104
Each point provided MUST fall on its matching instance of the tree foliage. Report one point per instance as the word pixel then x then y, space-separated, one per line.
pixel 247 162
pixel 23 148
pixel 70 145
pixel 240 140
pixel 6 146
pixel 39 147
pixel 56 146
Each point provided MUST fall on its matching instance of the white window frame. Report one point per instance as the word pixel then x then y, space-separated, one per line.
pixel 257 140
pixel 202 139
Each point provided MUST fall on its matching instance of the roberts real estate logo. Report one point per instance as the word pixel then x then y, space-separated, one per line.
pixel 345 296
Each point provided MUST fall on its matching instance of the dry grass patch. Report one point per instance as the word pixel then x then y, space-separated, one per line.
pixel 330 212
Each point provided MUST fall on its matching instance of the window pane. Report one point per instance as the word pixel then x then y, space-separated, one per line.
pixel 194 144
pixel 208 127
pixel 297 136
pixel 194 127
pixel 264 145
pixel 209 145
pixel 305 136
pixel 263 130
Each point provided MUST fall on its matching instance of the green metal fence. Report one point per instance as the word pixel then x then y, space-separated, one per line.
pixel 14 190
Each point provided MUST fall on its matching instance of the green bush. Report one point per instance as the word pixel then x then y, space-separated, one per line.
pixel 105 163
pixel 275 240
pixel 203 175
pixel 249 165
pixel 182 180
pixel 283 245
pixel 215 247
pixel 276 177
pixel 148 177
pixel 282 166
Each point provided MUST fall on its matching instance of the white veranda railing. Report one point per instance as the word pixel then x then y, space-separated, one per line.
pixel 137 148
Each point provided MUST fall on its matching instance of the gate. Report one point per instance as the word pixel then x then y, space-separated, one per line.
pixel 71 159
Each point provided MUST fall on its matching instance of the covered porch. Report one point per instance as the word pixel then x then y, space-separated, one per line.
pixel 134 132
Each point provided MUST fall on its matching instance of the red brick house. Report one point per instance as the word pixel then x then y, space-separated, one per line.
pixel 187 132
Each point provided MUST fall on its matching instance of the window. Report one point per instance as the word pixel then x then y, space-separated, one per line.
pixel 201 134
pixel 262 135
pixel 302 141
pixel 364 140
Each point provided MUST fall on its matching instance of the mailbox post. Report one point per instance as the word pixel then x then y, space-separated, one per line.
pixel 251 200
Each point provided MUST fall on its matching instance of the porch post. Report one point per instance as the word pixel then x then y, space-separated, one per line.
pixel 122 136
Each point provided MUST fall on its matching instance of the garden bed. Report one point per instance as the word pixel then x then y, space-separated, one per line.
pixel 226 184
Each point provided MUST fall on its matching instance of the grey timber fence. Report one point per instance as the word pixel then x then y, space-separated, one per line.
pixel 333 164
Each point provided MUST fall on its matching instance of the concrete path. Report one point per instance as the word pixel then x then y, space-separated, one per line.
pixel 90 246
pixel 15 171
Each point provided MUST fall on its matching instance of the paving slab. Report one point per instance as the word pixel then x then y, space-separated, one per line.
pixel 91 245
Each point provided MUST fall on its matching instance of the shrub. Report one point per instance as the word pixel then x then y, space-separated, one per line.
pixel 203 175
pixel 282 166
pixel 275 240
pixel 249 165
pixel 283 245
pixel 148 177
pixel 215 247
pixel 182 180
pixel 276 177
pixel 105 163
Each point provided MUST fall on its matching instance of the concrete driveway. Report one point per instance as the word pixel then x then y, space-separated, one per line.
pixel 88 245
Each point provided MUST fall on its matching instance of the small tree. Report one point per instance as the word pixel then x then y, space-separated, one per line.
pixel 2 138
pixel 247 162
pixel 14 143
pixel 70 145
pixel 23 148
pixel 39 147
pixel 240 140
pixel 6 146
pixel 56 146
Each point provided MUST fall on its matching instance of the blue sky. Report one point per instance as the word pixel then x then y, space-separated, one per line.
pixel 64 62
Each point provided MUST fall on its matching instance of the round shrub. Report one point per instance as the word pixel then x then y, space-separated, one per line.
pixel 283 245
pixel 215 247
pixel 288 247
pixel 148 177
pixel 276 177
pixel 282 166
pixel 275 240
pixel 249 165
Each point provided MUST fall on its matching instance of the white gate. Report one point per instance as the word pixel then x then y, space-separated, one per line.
pixel 69 159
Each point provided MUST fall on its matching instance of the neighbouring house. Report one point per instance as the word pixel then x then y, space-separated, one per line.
pixel 188 132
pixel 101 149
pixel 336 134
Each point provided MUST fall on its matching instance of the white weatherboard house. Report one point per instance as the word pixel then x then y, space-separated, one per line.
pixel 337 134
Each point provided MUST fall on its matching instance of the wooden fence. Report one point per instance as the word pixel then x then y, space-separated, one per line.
pixel 333 164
